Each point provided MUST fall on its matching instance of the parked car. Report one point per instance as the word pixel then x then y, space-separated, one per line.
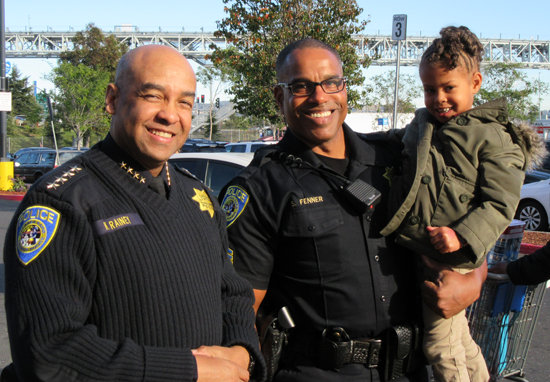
pixel 26 149
pixel 545 167
pixel 35 163
pixel 247 147
pixel 202 145
pixel 535 176
pixel 534 205
pixel 214 169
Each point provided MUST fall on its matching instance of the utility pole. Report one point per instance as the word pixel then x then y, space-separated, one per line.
pixel 6 166
pixel 399 32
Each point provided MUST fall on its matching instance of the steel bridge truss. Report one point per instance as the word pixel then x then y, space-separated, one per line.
pixel 530 54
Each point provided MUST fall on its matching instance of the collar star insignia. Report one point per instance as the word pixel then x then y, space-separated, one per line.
pixel 390 172
pixel 123 165
pixel 142 180
pixel 205 204
pixel 136 175
pixel 75 169
pixel 130 170
pixel 52 185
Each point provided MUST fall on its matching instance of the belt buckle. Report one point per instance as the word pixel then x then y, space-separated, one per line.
pixel 366 352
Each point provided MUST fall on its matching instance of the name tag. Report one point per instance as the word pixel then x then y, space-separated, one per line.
pixel 101 227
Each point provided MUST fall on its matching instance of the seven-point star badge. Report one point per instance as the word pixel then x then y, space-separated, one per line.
pixel 204 201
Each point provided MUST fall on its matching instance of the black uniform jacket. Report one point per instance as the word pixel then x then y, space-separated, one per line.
pixel 293 232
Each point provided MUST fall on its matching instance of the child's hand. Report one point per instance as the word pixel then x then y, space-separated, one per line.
pixel 444 239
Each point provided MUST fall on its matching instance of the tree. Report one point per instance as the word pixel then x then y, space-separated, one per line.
pixel 257 30
pixel 506 80
pixel 22 95
pixel 80 99
pixel 242 122
pixel 212 131
pixel 95 50
pixel 381 93
pixel 217 80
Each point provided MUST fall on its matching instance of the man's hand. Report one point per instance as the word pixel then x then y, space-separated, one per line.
pixel 499 268
pixel 444 239
pixel 235 354
pixel 451 292
pixel 212 369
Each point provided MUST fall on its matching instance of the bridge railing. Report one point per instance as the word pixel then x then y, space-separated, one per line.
pixel 533 54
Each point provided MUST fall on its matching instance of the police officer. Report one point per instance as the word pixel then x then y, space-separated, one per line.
pixel 116 263
pixel 303 224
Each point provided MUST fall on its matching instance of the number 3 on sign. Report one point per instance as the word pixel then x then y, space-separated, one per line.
pixel 399 27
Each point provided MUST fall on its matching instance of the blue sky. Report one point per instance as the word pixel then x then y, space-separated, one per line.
pixel 510 19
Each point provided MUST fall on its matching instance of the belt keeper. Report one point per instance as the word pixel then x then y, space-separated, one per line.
pixel 374 353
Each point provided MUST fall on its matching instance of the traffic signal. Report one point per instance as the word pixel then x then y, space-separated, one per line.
pixel 218 103
pixel 198 99
pixel 202 98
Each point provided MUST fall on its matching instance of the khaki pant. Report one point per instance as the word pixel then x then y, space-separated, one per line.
pixel 450 349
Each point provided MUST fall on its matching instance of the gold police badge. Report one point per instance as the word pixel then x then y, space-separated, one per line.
pixel 205 204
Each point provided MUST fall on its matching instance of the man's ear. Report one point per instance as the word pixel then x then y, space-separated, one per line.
pixel 111 97
pixel 477 79
pixel 279 94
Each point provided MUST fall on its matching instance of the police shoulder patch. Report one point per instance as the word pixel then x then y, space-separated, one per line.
pixel 36 227
pixel 234 202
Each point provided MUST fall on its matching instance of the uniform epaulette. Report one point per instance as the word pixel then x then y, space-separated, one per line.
pixel 65 177
pixel 186 172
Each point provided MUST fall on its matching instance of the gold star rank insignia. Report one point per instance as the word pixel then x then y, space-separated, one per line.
pixel 204 201
pixel 389 174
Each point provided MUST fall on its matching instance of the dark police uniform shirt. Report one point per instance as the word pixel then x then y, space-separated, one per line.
pixel 293 232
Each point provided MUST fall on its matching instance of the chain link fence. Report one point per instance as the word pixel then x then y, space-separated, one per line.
pixel 229 135
pixel 15 143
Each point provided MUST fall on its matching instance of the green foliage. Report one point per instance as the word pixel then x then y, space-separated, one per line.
pixel 79 103
pixel 257 30
pixel 23 101
pixel 380 92
pixel 241 122
pixel 507 80
pixel 95 50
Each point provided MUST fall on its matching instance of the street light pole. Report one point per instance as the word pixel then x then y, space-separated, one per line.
pixel 3 115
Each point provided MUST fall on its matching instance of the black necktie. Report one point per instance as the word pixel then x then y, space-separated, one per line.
pixel 157 185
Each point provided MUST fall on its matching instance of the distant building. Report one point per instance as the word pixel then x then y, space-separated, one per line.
pixel 369 122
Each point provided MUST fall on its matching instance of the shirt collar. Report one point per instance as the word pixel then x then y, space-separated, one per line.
pixel 128 164
pixel 355 148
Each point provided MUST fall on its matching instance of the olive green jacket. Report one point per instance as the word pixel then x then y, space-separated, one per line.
pixel 466 174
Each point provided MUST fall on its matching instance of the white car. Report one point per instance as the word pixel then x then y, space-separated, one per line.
pixel 247 147
pixel 214 169
pixel 534 205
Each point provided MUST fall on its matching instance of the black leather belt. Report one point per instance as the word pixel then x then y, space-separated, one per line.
pixel 334 348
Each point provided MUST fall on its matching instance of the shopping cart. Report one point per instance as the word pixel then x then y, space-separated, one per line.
pixel 502 323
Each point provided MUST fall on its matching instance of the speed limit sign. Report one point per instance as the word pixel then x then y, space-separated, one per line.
pixel 399 27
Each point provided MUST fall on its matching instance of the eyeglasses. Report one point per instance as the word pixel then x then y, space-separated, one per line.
pixel 307 88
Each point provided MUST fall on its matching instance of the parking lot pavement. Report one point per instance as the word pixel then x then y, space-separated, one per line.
pixel 537 368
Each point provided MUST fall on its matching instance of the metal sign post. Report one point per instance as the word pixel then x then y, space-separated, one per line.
pixel 399 32
pixel 3 83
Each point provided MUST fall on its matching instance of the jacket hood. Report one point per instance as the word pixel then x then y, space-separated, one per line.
pixel 533 143
pixel 522 133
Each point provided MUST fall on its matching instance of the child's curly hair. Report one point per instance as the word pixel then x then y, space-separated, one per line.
pixel 456 47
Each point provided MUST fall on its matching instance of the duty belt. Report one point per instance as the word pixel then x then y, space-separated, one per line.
pixel 334 348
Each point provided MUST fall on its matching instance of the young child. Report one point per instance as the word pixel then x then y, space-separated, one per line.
pixel 462 172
